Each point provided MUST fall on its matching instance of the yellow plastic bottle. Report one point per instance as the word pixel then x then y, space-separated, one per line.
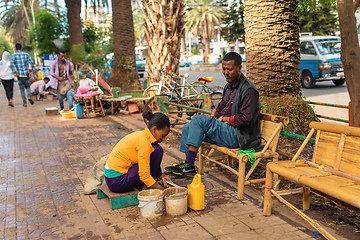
pixel 196 194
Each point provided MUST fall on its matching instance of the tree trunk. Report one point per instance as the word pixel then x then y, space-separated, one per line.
pixel 183 45
pixel 164 28
pixel 75 30
pixel 350 54
pixel 207 47
pixel 272 46
pixel 124 73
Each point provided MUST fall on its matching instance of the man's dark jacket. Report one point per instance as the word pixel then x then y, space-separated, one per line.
pixel 251 131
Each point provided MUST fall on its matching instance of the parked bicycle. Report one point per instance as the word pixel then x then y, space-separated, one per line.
pixel 166 84
pixel 186 95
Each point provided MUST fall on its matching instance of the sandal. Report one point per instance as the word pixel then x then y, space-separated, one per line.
pixel 11 104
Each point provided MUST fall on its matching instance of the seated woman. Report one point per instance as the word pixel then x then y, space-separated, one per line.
pixel 135 160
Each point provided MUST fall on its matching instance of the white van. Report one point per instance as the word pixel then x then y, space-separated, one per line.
pixel 320 60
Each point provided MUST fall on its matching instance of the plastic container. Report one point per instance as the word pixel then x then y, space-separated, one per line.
pixel 176 200
pixel 67 114
pixel 196 191
pixel 151 203
pixel 79 111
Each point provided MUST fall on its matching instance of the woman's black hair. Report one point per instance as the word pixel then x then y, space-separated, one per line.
pixel 159 120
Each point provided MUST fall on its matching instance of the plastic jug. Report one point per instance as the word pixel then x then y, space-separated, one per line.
pixel 79 111
pixel 196 194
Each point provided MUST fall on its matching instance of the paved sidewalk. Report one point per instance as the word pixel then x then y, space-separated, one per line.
pixel 44 161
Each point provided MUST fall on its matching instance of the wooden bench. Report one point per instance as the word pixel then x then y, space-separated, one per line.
pixel 118 200
pixel 334 168
pixel 270 130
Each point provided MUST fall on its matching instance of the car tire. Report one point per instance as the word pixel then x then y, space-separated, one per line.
pixel 307 80
pixel 339 82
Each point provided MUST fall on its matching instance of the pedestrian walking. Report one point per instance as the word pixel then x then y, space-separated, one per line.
pixel 7 77
pixel 62 73
pixel 19 64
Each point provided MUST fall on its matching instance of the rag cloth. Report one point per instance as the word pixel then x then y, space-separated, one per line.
pixel 96 176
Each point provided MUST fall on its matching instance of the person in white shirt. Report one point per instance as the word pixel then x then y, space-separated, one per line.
pixel 7 77
pixel 38 87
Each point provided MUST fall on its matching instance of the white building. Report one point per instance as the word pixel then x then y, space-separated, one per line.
pixel 102 18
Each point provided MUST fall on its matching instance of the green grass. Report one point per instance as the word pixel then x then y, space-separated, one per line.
pixel 133 94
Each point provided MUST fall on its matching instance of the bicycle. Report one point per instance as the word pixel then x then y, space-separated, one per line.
pixel 166 84
pixel 186 98
pixel 169 81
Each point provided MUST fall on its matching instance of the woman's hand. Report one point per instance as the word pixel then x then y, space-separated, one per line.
pixel 165 178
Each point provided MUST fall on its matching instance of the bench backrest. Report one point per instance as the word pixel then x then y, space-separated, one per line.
pixel 268 125
pixel 337 147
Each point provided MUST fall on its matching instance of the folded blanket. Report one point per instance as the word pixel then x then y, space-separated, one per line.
pixel 96 176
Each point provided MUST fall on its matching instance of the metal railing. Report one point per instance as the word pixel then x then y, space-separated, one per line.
pixel 330 105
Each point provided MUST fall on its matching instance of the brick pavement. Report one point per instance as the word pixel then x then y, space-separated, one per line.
pixel 44 161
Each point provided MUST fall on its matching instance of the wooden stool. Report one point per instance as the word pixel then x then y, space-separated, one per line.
pixel 118 200
pixel 95 106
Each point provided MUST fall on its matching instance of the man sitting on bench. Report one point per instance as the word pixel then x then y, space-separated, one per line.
pixel 236 120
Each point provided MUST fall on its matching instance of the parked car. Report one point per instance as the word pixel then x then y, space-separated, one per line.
pixel 185 61
pixel 140 65
pixel 320 60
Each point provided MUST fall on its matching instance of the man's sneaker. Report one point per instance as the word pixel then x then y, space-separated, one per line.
pixel 31 101
pixel 184 169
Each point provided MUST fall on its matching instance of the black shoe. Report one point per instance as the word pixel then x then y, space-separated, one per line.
pixel 184 169
pixel 31 101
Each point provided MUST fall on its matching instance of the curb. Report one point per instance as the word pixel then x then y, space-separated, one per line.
pixel 206 68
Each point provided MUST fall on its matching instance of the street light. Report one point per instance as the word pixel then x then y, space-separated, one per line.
pixel 36 42
pixel 203 34
pixel 201 27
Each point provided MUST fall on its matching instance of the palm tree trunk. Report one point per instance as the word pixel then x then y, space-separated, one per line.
pixel 272 46
pixel 183 45
pixel 350 55
pixel 164 27
pixel 26 14
pixel 75 29
pixel 207 47
pixel 124 73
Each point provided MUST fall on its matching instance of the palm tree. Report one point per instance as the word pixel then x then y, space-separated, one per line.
pixel 272 46
pixel 15 19
pixel 124 73
pixel 203 18
pixel 164 28
pixel 139 27
pixel 77 48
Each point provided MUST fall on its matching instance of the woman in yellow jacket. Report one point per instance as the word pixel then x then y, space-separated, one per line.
pixel 135 160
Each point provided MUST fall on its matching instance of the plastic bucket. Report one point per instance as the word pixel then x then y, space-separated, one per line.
pixel 151 203
pixel 176 200
pixel 79 111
